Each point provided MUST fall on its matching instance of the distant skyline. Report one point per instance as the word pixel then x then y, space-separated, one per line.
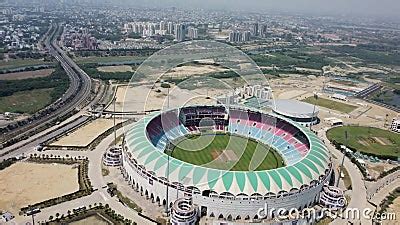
pixel 349 7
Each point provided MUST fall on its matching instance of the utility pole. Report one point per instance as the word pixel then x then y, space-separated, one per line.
pixel 115 131
pixel 344 155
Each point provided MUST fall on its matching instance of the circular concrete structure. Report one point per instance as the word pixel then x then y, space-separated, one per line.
pixel 224 193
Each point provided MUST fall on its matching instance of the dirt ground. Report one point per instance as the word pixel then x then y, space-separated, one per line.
pixel 143 97
pixel 26 74
pixel 113 69
pixel 86 134
pixel 25 183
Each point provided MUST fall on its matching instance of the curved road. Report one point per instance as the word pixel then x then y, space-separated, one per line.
pixel 77 93
pixel 358 193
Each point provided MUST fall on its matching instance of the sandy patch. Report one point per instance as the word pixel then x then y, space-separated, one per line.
pixel 25 183
pixel 363 142
pixel 143 97
pixel 114 69
pixel 26 74
pixel 86 134
pixel 184 71
pixel 382 140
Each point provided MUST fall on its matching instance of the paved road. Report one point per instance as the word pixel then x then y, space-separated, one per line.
pixel 77 93
pixel 359 192
pixel 27 146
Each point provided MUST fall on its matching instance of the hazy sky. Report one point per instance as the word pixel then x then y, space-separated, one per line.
pixel 367 7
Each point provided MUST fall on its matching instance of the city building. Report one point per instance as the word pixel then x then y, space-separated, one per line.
pixel 193 33
pixel 246 36
pixel 395 126
pixel 235 36
pixel 179 32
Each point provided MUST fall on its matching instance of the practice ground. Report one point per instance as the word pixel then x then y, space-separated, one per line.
pixel 85 135
pixel 226 152
pixel 331 104
pixel 369 140
pixel 26 74
pixel 25 183
pixel 26 101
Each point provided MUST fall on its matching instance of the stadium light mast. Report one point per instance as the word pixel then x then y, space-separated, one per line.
pixel 342 163
pixel 115 131
pixel 313 113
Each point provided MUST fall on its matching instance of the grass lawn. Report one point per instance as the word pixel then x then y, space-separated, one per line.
pixel 368 139
pixel 108 59
pixel 227 152
pixel 26 101
pixel 16 63
pixel 331 104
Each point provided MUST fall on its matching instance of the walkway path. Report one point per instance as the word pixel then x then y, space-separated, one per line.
pixel 359 192
pixel 100 194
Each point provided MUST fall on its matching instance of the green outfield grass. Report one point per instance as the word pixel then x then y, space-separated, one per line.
pixel 227 152
pixel 368 140
pixel 331 104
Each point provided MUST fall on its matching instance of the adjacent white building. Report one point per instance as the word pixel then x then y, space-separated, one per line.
pixel 395 126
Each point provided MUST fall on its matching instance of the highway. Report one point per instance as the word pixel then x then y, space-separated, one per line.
pixel 76 96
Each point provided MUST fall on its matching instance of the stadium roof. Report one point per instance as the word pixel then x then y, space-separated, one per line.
pixel 313 165
pixel 294 108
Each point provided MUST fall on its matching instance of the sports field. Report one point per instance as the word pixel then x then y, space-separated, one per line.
pixel 331 104
pixel 368 139
pixel 227 152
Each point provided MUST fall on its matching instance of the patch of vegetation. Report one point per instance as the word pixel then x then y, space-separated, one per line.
pixel 91 70
pixel 330 104
pixel 17 63
pixel 385 204
pixel 85 212
pixel 368 55
pixel 368 140
pixel 58 81
pixel 7 162
pixel 26 101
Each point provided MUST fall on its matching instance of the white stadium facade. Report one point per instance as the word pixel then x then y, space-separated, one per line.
pixel 301 112
pixel 226 194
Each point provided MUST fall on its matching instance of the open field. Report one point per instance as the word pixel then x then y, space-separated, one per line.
pixel 17 63
pixel 331 104
pixel 368 140
pixel 115 69
pixel 26 101
pixel 86 134
pixel 227 152
pixel 189 70
pixel 25 183
pixel 26 74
